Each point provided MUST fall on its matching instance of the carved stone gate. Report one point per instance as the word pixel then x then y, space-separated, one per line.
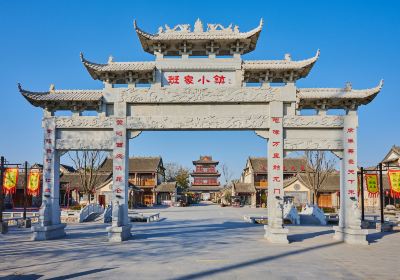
pixel 206 93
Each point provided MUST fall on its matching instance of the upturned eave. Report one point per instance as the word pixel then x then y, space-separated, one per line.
pixel 336 98
pixel 119 72
pixel 64 99
pixel 278 70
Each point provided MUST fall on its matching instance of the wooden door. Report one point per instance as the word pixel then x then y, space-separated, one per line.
pixel 102 199
pixel 148 199
pixel 325 200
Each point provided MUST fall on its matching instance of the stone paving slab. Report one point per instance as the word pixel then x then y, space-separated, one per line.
pixel 200 242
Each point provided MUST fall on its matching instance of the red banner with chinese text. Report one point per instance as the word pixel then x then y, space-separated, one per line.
pixel 394 181
pixel 371 181
pixel 10 180
pixel 34 183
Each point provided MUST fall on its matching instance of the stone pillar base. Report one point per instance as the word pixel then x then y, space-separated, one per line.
pixel 48 232
pixel 119 234
pixel 3 227
pixel 351 236
pixel 276 235
pixel 25 223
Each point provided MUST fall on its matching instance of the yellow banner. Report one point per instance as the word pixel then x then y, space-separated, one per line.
pixel 371 180
pixel 394 181
pixel 34 183
pixel 10 180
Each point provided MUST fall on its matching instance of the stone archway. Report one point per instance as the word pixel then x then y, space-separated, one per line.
pixel 202 94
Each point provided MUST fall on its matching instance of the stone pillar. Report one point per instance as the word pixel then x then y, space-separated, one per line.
pixel 274 231
pixel 349 228
pixel 254 199
pixel 154 196
pixel 50 226
pixel 120 228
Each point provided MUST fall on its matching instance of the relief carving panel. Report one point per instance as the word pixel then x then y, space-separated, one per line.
pixel 200 95
pixel 313 121
pixel 84 144
pixel 197 123
pixel 84 122
pixel 313 144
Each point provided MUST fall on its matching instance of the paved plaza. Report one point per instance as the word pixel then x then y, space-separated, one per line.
pixel 198 242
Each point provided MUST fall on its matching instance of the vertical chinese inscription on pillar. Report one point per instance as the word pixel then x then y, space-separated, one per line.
pixel 48 158
pixel 119 158
pixel 275 160
pixel 351 164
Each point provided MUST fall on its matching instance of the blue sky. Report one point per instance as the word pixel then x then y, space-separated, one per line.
pixel 41 41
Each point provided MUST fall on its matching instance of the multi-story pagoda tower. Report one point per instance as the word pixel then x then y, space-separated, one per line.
pixel 210 92
pixel 205 177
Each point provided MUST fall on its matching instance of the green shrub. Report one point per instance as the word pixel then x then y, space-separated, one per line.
pixel 75 207
pixel 264 198
pixel 328 209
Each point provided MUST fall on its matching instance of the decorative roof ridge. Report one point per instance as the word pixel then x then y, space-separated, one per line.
pixel 111 61
pixel 290 180
pixel 146 157
pixel 112 66
pixel 212 29
pixel 172 182
pixel 250 157
pixel 287 60
pixel 339 92
pixel 296 158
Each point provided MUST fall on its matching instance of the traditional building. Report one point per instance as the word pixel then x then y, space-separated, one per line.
pixel 205 178
pixel 246 193
pixel 72 192
pixel 145 173
pixel 166 193
pixel 300 189
pixel 392 158
pixel 255 175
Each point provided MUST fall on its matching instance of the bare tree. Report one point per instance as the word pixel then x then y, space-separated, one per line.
pixel 226 172
pixel 319 168
pixel 171 171
pixel 87 164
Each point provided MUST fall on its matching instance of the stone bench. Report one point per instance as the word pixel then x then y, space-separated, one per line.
pixel 16 218
pixel 153 217
pixel 254 219
pixel 332 217
pixel 145 217
pixel 20 222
